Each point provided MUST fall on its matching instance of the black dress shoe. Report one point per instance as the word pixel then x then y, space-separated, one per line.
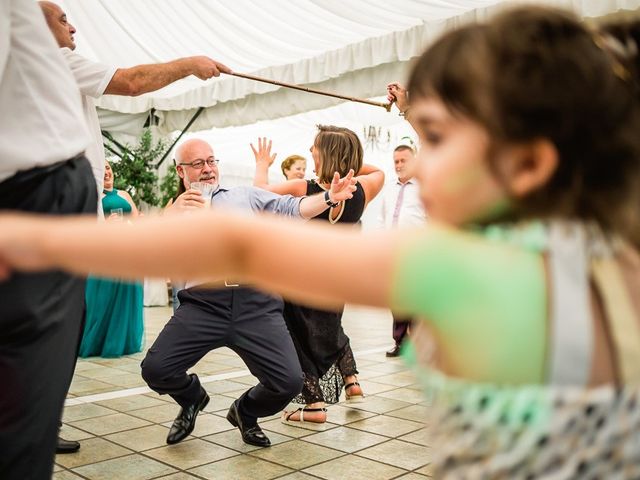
pixel 186 420
pixel 67 446
pixel 394 352
pixel 251 435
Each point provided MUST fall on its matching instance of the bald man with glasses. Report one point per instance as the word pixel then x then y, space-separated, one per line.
pixel 227 312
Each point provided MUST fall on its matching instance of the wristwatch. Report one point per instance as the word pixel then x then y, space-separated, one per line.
pixel 327 200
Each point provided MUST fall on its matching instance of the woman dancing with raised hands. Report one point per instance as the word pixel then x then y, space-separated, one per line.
pixel 529 338
pixel 323 348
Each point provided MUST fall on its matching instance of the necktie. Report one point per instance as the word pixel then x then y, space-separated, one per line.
pixel 396 211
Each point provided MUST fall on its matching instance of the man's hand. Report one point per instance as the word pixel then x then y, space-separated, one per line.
pixel 190 200
pixel 398 94
pixel 205 68
pixel 263 154
pixel 342 188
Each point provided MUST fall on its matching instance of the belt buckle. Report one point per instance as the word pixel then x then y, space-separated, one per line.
pixel 227 284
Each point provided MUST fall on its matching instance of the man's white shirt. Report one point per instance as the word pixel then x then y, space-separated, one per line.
pixel 35 81
pixel 92 79
pixel 411 211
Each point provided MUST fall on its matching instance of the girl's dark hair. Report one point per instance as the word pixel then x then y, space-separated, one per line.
pixel 340 150
pixel 538 73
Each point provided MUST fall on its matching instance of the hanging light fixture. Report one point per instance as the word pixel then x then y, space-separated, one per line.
pixel 376 137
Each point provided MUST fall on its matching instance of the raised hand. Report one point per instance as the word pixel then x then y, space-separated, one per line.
pixel 398 94
pixel 263 153
pixel 342 188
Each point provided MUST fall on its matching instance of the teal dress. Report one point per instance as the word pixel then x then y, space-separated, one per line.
pixel 114 321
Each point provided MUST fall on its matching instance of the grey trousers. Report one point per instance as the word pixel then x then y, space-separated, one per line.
pixel 243 319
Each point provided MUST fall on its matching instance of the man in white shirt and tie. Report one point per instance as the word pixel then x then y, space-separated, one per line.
pixel 401 207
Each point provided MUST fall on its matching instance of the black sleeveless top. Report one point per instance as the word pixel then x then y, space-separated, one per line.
pixel 352 208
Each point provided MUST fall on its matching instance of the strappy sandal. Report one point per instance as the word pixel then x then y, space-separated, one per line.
pixel 357 398
pixel 286 417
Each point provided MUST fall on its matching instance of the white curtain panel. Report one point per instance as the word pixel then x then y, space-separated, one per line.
pixel 352 47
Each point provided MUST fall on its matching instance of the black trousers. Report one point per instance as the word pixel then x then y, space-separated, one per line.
pixel 400 327
pixel 245 320
pixel 40 321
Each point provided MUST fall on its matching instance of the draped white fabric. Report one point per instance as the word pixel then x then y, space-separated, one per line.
pixel 353 47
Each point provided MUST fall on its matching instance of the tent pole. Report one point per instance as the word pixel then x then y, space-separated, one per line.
pixel 166 153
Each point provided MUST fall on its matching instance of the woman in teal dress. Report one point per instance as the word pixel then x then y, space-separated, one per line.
pixel 114 322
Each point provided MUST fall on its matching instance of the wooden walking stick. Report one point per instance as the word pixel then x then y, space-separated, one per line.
pixel 386 106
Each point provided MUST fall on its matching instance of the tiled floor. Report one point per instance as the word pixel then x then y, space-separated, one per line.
pixel 122 425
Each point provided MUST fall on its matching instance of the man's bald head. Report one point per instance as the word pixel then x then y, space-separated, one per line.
pixel 191 151
pixel 61 29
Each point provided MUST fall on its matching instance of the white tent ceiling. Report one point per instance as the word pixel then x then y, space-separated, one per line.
pixel 353 47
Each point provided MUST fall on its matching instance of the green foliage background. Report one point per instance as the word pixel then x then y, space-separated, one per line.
pixel 136 173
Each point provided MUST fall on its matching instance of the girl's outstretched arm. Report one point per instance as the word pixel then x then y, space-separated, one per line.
pixel 265 251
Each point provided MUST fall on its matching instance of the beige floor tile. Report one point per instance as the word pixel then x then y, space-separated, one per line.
pixel 417 413
pixel 126 380
pixel 276 425
pixel 405 394
pixel 224 386
pixel 57 468
pixel 89 387
pixel 178 476
pixel 237 393
pixel 247 380
pixel 219 403
pixel 115 362
pixel 99 372
pixel 297 454
pixel 388 426
pixel 190 453
pixel 208 424
pixel 241 467
pixel 297 476
pixel 232 439
pixel 83 365
pixel 158 414
pixel 402 379
pixel 345 439
pixel 206 369
pixel 371 387
pixel 83 411
pixel 131 467
pixel 388 367
pixel 377 404
pixel 233 361
pixel 141 439
pixel 92 450
pixel 109 424
pixel 65 475
pixel 401 454
pixel 352 467
pixel 421 437
pixel 135 402
pixel 70 433
pixel 130 367
pixel 412 476
pixel 343 414
pixel 426 470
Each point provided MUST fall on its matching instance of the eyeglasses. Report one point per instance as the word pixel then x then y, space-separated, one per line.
pixel 199 164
